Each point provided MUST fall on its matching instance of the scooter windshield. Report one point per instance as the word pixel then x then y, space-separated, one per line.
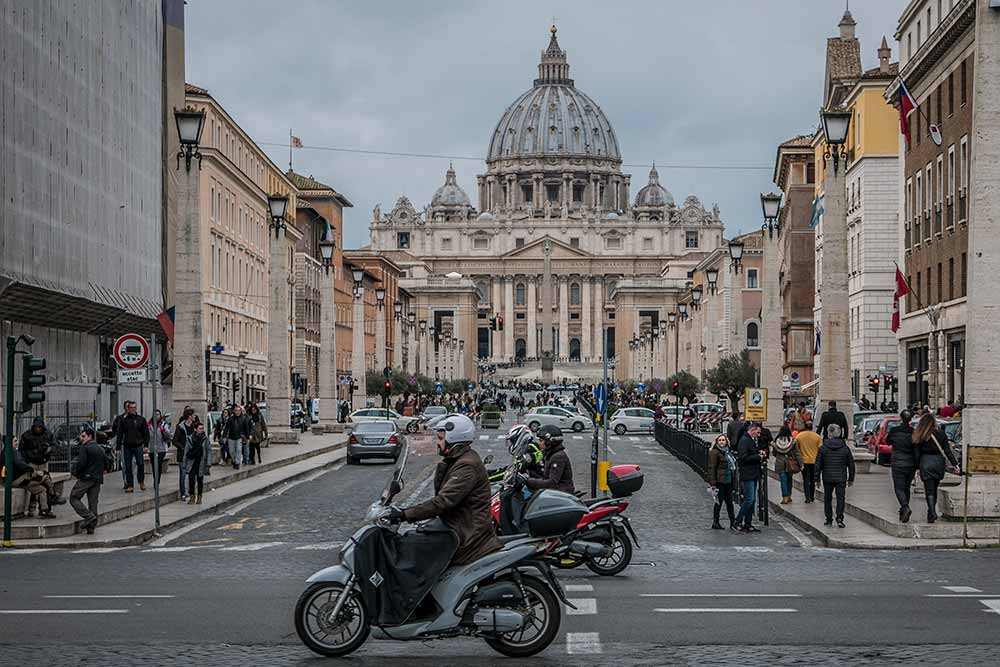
pixel 396 482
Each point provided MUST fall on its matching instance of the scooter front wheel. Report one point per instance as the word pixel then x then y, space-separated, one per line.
pixel 617 560
pixel 327 636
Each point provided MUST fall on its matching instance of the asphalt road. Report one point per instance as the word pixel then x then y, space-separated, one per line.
pixel 222 592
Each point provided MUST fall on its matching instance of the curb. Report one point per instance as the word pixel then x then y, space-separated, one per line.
pixel 146 535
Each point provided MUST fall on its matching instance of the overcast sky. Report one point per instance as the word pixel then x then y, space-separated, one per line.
pixel 683 82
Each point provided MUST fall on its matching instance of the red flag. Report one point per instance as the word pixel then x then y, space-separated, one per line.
pixel 296 142
pixel 906 105
pixel 902 289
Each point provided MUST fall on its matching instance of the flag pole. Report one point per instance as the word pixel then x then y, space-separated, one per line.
pixel 289 149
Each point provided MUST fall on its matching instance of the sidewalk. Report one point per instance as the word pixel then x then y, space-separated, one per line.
pixel 128 518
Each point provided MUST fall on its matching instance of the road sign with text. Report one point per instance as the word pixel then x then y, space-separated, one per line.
pixel 756 398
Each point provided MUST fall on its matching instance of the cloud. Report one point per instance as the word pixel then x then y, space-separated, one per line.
pixel 682 82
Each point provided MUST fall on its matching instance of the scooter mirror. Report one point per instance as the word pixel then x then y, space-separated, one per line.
pixel 488 460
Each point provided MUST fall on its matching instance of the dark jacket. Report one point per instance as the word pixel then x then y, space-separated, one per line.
pixel 181 434
pixel 748 458
pixel 832 416
pixel 36 448
pixel 198 454
pixel 718 471
pixel 462 500
pixel 557 472
pixel 90 463
pixel 734 431
pixel 930 461
pixel 904 452
pixel 835 462
pixel 131 431
pixel 258 428
pixel 237 427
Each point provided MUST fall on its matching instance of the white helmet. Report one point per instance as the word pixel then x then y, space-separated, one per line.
pixel 457 429
pixel 514 434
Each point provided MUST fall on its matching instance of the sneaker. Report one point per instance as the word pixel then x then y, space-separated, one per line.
pixel 716 526
pixel 840 523
pixel 751 529
pixel 90 530
pixel 142 486
pixel 129 489
pixel 904 516
pixel 828 522
pixel 46 515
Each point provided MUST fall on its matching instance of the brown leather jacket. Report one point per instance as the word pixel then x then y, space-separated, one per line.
pixel 462 500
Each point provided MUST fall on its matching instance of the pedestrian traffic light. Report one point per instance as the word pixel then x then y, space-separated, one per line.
pixel 499 323
pixel 31 379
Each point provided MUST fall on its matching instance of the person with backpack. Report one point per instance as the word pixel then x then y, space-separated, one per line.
pixel 258 433
pixel 89 468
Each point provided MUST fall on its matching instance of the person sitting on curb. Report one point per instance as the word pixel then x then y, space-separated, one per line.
pixel 835 466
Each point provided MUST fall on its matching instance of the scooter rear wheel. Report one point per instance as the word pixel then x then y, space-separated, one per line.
pixel 323 635
pixel 618 560
pixel 545 617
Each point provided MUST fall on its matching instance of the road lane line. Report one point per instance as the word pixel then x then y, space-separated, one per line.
pixel 720 595
pixel 110 597
pixel 255 546
pixel 62 611
pixel 578 588
pixel 171 550
pixel 723 610
pixel 584 606
pixel 754 550
pixel 961 589
pixel 579 643
pixel 680 548
pixel 958 595
pixel 484 437
pixel 320 546
pixel 101 550
pixel 994 606
pixel 26 551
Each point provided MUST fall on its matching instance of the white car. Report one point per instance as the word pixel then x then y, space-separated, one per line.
pixel 408 424
pixel 632 419
pixel 562 418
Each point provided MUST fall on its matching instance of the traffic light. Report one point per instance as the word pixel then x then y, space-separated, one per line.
pixel 874 384
pixel 236 385
pixel 499 323
pixel 31 380
pixel 493 324
pixel 675 387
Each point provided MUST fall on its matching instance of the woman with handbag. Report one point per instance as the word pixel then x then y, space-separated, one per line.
pixel 787 461
pixel 934 456
pixel 721 478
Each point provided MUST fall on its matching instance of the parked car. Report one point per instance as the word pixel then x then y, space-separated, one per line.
pixel 408 424
pixel 673 414
pixel 375 439
pixel 867 428
pixel 632 419
pixel 556 416
pixel 433 411
pixel 858 416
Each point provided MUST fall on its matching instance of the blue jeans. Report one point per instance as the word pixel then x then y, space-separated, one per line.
pixel 238 450
pixel 745 515
pixel 786 483
pixel 134 454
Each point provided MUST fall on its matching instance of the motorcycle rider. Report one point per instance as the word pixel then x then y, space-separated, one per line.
pixel 461 492
pixel 557 472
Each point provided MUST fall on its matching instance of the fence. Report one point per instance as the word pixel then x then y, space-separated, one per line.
pixel 64 421
pixel 686 446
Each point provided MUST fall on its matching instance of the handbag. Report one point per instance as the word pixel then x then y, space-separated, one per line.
pixel 954 470
pixel 792 465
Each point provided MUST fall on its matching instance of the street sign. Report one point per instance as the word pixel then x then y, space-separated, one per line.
pixel 641 386
pixel 470 388
pixel 131 351
pixel 439 388
pixel 218 348
pixel 344 379
pixel 756 398
pixel 600 399
pixel 127 375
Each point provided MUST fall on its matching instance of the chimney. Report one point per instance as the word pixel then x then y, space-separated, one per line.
pixel 884 53
pixel 847 24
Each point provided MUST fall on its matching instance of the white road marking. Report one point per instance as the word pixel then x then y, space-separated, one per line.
pixel 584 606
pixel 255 546
pixel 26 552
pixel 420 488
pixel 319 546
pixel 578 643
pixel 723 610
pixel 680 548
pixel 578 588
pixel 754 550
pixel 719 595
pixel 63 611
pixel 994 606
pixel 957 595
pixel 171 550
pixel 961 589
pixel 101 550
pixel 110 597
pixel 579 437
pixel 484 437
pixel 799 536
pixel 635 438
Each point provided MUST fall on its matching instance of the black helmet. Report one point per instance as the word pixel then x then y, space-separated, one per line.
pixel 550 434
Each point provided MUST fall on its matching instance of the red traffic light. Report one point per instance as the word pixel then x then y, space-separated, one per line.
pixel 388 385
pixel 875 382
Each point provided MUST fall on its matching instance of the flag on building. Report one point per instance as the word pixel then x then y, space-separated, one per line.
pixel 902 289
pixel 166 320
pixel 817 212
pixel 906 105
pixel 296 142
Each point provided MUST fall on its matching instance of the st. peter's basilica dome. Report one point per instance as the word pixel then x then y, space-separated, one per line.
pixel 450 194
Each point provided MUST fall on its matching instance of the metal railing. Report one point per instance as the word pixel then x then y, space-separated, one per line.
pixel 686 446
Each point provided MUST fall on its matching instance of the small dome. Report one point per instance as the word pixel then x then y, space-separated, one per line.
pixel 611 216
pixel 654 194
pixel 486 216
pixel 451 194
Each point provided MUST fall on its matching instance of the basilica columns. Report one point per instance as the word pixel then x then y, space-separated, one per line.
pixel 496 347
pixel 532 303
pixel 585 343
pixel 598 319
pixel 563 319
pixel 508 317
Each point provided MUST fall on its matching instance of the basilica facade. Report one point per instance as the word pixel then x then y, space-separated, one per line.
pixel 553 184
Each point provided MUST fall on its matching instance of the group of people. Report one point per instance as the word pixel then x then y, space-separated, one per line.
pixel 924 449
pixel 240 433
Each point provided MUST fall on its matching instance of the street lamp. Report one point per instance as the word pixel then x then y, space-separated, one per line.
pixel 671 319
pixel 712 275
pixel 379 296
pixel 736 256
pixel 682 311
pixel 397 310
pixel 423 326
pixel 326 252
pixel 190 122
pixel 278 205
pixel 696 293
pixel 835 125
pixel 411 317
pixel 771 205
pixel 359 276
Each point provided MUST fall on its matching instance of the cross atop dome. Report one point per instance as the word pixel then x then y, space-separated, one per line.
pixel 553 67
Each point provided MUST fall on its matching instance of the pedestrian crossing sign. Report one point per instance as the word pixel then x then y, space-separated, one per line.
pixel 756 400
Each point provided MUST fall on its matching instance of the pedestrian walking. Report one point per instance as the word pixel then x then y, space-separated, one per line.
pixel 832 416
pixel 89 472
pixel 735 428
pixel 748 456
pixel 801 419
pixel 181 434
pixel 197 461
pixel 934 457
pixel 787 461
pixel 161 437
pixel 835 467
pixel 721 475
pixel 903 463
pixel 809 443
pixel 237 434
pixel 219 436
pixel 258 433
pixel 36 446
pixel 133 439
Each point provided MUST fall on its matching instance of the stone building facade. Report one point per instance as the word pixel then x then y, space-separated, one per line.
pixel 553 179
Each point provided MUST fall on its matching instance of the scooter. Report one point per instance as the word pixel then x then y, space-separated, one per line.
pixel 398 585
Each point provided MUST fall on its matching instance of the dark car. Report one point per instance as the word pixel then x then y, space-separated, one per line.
pixel 375 439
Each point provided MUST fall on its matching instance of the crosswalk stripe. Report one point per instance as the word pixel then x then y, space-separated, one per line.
pixel 484 437
pixel 256 546
pixel 680 548
pixel 578 643
pixel 578 588
pixel 723 610
pixel 584 607
pixel 320 546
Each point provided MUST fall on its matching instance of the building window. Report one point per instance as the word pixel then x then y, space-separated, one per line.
pixel 518 316
pixel 446 244
pixel 574 294
pixel 937 107
pixel 810 173
pixel 574 243
pixel 951 94
pixel 480 243
pixel 552 193
pixel 691 239
pixel 647 244
pixel 919 286
pixel 403 240
pixel 940 292
pixel 519 297
pixel 752 282
pixel 963 84
pixel 518 243
pixel 574 316
pixel 526 194
pixel 613 242
pixel 578 190
pixel 963 166
pixel 930 293
pixel 965 274
pixel 951 278
pixel 610 315
pixel 753 339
